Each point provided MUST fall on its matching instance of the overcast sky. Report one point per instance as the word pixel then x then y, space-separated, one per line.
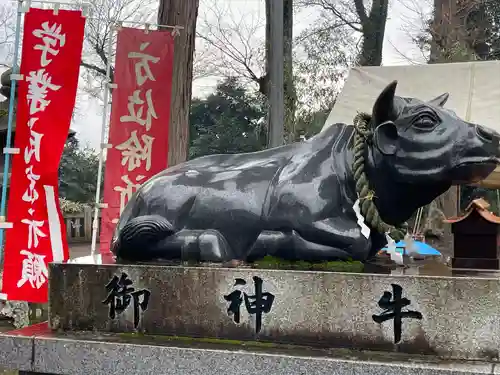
pixel 88 120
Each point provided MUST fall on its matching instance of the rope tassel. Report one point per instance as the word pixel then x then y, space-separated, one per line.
pixel 363 135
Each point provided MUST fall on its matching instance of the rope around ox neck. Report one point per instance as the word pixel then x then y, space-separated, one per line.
pixel 362 136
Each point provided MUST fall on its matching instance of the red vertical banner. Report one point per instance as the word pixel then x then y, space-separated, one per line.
pixel 140 114
pixel 50 65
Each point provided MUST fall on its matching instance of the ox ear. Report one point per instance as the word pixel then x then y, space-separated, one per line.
pixel 384 107
pixel 385 138
pixel 440 100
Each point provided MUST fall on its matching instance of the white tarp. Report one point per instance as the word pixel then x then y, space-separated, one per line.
pixel 474 89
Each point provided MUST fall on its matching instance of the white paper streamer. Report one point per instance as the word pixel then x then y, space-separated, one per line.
pixel 365 230
pixel 396 257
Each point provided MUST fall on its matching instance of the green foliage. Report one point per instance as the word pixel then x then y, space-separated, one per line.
pixel 324 53
pixel 78 173
pixel 469 193
pixel 70 207
pixel 309 124
pixel 269 262
pixel 483 26
pixel 227 121
pixel 232 120
pixel 481 39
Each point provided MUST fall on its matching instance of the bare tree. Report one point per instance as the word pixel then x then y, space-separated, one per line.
pixel 232 43
pixel 446 31
pixel 102 17
pixel 367 21
pixel 324 52
pixel 7 37
pixel 345 33
pixel 183 13
pixel 7 33
pixel 239 45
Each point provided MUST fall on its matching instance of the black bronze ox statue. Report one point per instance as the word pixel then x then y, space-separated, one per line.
pixel 297 201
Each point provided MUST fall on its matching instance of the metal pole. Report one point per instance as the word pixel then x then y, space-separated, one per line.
pixel 15 70
pixel 276 73
pixel 95 221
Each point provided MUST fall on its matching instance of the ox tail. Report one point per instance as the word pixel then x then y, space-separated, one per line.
pixel 140 238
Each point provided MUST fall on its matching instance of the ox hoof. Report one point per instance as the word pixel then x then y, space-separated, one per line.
pixel 214 247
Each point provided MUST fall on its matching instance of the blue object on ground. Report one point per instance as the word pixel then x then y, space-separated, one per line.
pixel 421 247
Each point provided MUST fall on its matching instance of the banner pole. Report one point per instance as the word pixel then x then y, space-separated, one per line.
pixel 15 71
pixel 95 222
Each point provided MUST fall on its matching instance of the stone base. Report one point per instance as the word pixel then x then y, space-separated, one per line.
pixel 449 317
pixel 476 263
pixel 36 350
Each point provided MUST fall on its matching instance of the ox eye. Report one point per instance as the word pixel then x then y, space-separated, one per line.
pixel 425 122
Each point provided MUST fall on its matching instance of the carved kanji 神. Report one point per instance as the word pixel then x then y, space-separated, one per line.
pixel 34 270
pixel 136 115
pixel 39 83
pixel 133 152
pixel 31 195
pixel 51 36
pixel 143 64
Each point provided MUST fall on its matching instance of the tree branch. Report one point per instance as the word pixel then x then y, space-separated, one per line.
pixel 230 41
pixel 99 70
pixel 93 67
pixel 341 15
pixel 361 11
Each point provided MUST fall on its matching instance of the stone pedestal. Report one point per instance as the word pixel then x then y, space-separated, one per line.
pixel 448 317
pixel 37 350
pixel 133 319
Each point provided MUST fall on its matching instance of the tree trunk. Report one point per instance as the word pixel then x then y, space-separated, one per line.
pixel 180 13
pixel 289 87
pixel 290 94
pixel 264 80
pixel 439 29
pixel 373 27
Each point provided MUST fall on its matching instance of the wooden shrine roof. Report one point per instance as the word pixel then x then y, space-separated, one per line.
pixel 479 205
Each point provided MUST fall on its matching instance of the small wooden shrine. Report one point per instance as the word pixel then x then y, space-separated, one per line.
pixel 476 237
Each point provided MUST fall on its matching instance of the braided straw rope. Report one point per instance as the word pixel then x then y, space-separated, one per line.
pixel 362 136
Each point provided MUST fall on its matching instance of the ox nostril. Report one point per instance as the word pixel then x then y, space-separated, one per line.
pixel 486 134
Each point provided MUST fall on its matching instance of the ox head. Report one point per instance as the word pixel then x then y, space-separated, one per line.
pixel 420 149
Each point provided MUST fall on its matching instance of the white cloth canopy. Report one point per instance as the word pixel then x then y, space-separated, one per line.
pixel 474 89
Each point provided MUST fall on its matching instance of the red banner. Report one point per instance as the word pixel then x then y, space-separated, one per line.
pixel 51 54
pixel 140 116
